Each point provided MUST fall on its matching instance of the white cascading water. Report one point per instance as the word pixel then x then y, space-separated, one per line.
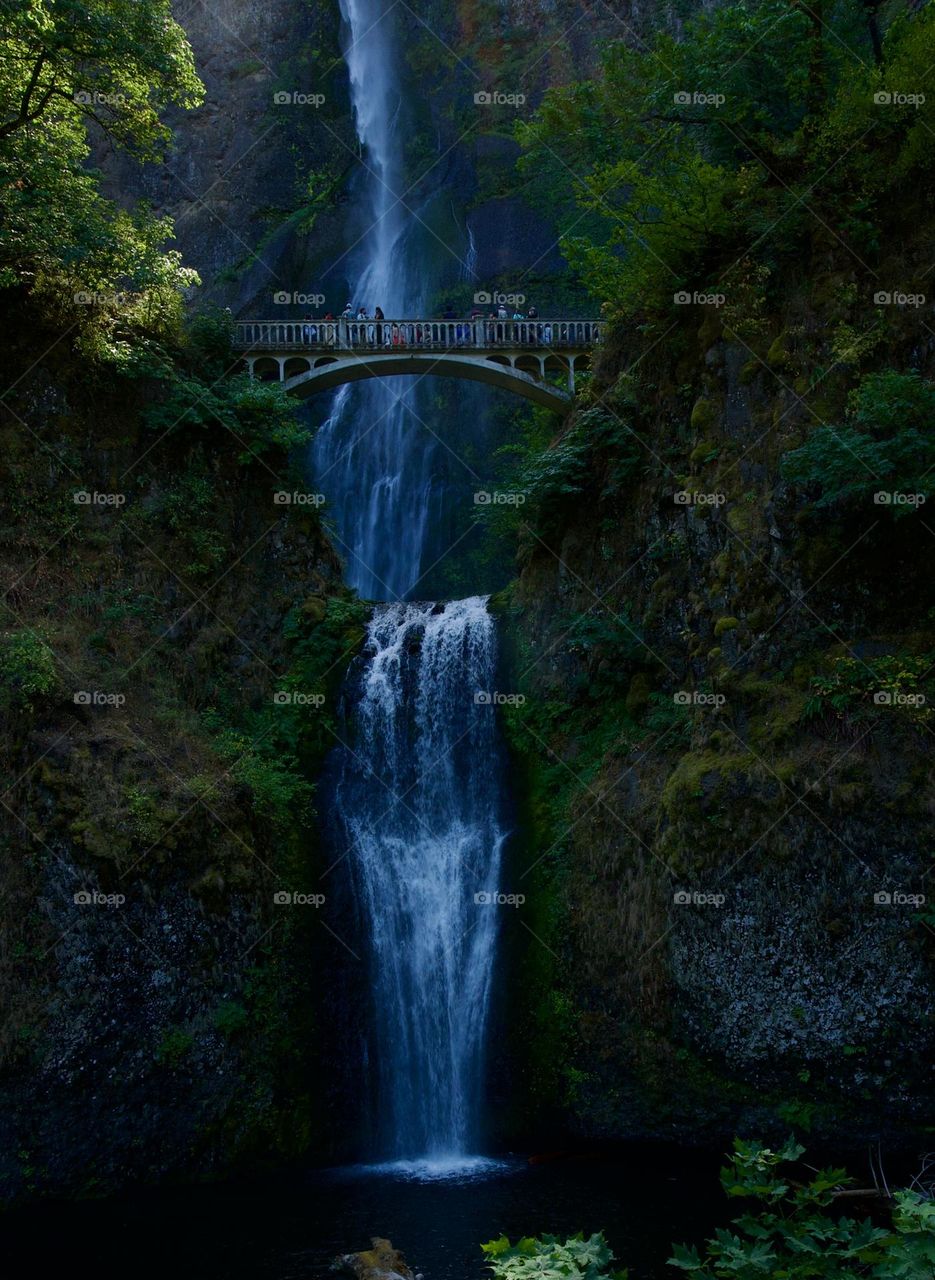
pixel 373 458
pixel 418 798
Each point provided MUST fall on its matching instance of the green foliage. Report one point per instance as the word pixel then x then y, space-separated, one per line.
pixel 230 1017
pixel 27 670
pixel 727 142
pixel 174 1047
pixel 187 510
pixel 259 416
pixel 277 787
pixel 792 1234
pixel 549 1258
pixel 899 684
pixel 885 446
pixel 65 64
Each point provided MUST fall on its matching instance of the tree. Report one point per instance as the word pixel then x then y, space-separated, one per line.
pixel 67 67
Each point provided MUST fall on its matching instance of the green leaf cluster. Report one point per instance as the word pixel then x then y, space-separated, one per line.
pixel 549 1258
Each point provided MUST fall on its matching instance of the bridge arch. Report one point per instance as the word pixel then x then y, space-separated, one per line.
pixel 520 356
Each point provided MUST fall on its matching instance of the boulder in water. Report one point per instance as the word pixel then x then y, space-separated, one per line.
pixel 380 1262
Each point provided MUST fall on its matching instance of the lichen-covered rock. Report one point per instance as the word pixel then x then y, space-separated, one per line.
pixel 380 1262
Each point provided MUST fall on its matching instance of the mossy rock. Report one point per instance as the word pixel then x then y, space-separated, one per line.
pixel 638 694
pixel 704 415
pixel 314 609
pixel 704 452
pixel 725 624
pixel 778 356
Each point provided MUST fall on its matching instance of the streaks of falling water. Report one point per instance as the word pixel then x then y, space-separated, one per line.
pixel 420 803
pixel 373 457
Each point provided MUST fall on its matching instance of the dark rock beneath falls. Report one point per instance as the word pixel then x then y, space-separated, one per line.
pixel 380 1262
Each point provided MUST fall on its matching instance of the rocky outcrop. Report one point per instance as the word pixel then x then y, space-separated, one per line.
pixel 380 1262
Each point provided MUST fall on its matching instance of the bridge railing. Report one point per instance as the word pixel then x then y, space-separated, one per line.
pixel 430 335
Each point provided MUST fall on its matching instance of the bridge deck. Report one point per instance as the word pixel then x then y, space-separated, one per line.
pixel 425 335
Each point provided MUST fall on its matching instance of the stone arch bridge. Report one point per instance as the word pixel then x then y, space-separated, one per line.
pixel 522 356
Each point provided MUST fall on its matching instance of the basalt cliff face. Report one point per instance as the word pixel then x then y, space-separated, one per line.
pixel 729 805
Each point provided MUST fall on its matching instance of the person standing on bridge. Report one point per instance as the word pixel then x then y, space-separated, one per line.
pixel 378 316
pixel 348 312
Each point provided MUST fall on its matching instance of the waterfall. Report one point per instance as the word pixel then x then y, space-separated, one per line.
pixel 373 457
pixel 417 797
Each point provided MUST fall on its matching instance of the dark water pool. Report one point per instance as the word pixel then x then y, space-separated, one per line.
pixel 290 1228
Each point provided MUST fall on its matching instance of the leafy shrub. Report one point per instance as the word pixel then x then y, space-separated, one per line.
pixel 857 687
pixel 886 445
pixel 230 1017
pixel 174 1047
pixel 27 670
pixel 549 1258
pixel 794 1236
